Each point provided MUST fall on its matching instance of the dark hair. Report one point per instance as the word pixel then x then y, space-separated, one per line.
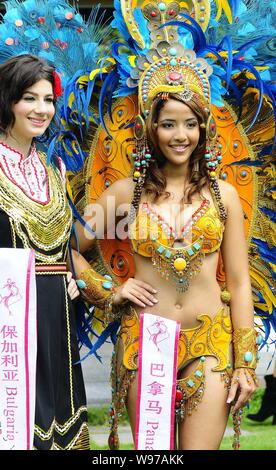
pixel 155 181
pixel 17 75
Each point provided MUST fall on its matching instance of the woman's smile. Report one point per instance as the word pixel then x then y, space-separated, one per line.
pixel 177 132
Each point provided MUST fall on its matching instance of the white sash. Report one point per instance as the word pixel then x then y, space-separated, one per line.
pixel 157 371
pixel 18 344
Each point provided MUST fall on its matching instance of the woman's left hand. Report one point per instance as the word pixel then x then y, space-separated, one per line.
pixel 242 388
pixel 72 288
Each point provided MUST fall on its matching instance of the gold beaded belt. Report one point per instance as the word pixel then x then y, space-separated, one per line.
pixel 55 268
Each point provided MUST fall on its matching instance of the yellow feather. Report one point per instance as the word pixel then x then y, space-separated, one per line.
pixel 71 99
pixel 131 60
pixel 223 5
pixel 69 189
pixel 265 290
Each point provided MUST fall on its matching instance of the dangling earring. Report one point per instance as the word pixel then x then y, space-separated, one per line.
pixel 213 159
pixel 196 167
pixel 141 154
pixel 212 154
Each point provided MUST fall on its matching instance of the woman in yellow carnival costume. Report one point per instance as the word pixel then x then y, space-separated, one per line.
pixel 205 351
pixel 180 218
pixel 160 103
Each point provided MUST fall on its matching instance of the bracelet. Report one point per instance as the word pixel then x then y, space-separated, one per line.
pixel 246 342
pixel 95 288
pixel 253 376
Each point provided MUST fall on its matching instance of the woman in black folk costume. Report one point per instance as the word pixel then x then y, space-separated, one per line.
pixel 35 214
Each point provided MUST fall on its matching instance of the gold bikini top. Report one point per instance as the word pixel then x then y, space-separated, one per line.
pixel 151 236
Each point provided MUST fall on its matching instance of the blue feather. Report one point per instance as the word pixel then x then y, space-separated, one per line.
pixel 197 33
pixel 80 219
pixel 143 27
pixel 229 48
pixel 110 331
pixel 258 84
pixel 105 88
pixel 234 6
pixel 247 162
pixel 244 47
pixel 266 253
pixel 272 216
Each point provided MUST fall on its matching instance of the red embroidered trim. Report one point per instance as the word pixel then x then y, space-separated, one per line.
pixel 6 169
pixel 51 268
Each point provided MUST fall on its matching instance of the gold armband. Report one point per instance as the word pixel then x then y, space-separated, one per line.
pixel 99 291
pixel 246 342
pixel 95 288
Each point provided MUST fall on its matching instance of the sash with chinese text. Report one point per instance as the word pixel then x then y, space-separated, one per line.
pixel 157 372
pixel 18 343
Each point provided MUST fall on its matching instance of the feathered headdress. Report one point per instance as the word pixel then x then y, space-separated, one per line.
pixel 170 46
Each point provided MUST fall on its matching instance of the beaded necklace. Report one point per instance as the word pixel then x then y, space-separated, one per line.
pixel 183 263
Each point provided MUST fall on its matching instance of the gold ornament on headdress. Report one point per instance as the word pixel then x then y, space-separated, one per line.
pixel 186 75
pixel 167 68
pixel 166 10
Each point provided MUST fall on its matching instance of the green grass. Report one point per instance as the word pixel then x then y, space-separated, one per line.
pixel 262 436
pixel 94 446
pixel 99 416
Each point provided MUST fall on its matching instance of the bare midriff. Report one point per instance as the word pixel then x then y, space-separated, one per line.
pixel 202 296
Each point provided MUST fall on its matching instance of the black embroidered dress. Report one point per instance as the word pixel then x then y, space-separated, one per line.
pixel 34 213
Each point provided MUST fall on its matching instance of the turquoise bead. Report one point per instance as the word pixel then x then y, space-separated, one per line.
pixel 259 339
pixel 190 383
pixel 196 246
pixel 81 284
pixel 248 356
pixel 107 285
pixel 172 51
pixel 198 373
pixel 173 62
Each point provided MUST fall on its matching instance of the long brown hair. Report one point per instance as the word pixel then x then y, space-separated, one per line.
pixel 155 180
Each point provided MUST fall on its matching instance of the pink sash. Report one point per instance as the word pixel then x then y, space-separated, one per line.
pixel 18 343
pixel 158 350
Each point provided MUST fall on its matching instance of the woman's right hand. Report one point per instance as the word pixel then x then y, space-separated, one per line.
pixel 136 291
